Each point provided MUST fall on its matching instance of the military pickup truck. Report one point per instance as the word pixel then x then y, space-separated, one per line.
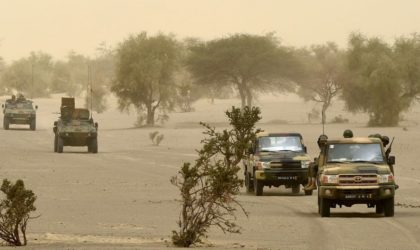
pixel 19 111
pixel 276 159
pixel 355 171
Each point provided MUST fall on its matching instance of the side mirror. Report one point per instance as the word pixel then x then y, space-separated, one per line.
pixel 305 149
pixel 96 125
pixel 250 151
pixel 391 160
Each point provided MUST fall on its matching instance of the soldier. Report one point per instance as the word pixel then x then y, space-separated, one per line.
pixel 313 167
pixel 348 133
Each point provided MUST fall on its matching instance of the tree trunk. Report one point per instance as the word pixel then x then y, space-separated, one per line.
pixel 248 97
pixel 150 121
pixel 243 96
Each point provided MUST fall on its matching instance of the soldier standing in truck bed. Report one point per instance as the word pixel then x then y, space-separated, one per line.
pixel 313 167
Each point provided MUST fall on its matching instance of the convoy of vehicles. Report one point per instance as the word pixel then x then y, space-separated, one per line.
pixel 349 170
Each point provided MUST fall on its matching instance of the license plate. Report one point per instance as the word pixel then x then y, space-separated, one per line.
pixel 287 177
pixel 358 196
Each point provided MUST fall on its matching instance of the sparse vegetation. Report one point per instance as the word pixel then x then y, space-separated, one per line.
pixel 15 211
pixel 156 138
pixel 210 185
pixel 339 119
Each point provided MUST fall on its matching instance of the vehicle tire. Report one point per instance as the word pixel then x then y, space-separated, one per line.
pixel 309 192
pixel 248 184
pixel 32 126
pixel 55 143
pixel 389 207
pixel 60 144
pixel 296 188
pixel 325 207
pixel 258 187
pixel 94 145
pixel 379 208
pixel 6 123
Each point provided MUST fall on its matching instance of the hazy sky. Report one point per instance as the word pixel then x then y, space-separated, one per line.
pixel 58 26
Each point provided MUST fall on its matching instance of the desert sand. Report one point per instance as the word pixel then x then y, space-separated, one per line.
pixel 121 198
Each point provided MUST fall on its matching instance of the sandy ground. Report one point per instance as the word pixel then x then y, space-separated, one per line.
pixel 121 198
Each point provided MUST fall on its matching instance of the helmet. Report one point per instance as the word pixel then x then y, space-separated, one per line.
pixel 322 139
pixel 348 133
pixel 385 140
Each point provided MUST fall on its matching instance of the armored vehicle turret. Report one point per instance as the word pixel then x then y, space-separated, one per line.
pixel 75 127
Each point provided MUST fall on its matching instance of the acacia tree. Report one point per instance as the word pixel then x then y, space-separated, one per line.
pixel 31 75
pixel 209 186
pixel 322 76
pixel 374 84
pixel 144 74
pixel 250 63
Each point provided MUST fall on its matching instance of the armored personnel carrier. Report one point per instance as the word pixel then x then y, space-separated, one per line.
pixel 75 127
pixel 19 111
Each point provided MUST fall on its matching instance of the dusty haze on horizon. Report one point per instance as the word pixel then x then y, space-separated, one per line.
pixel 59 26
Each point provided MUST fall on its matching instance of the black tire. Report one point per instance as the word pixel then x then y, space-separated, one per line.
pixel 258 187
pixel 309 192
pixel 93 146
pixel 296 188
pixel 249 185
pixel 379 208
pixel 325 207
pixel 60 144
pixel 389 207
pixel 6 123
pixel 55 143
pixel 319 205
pixel 32 126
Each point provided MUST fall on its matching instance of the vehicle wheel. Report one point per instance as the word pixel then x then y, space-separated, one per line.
pixel 258 187
pixel 94 145
pixel 248 184
pixel 6 123
pixel 296 188
pixel 319 205
pixel 309 192
pixel 32 126
pixel 55 143
pixel 325 207
pixel 389 207
pixel 60 144
pixel 379 208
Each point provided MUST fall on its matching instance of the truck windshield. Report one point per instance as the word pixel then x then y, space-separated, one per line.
pixel 280 143
pixel 355 153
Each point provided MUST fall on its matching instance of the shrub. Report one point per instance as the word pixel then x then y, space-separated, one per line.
pixel 14 212
pixel 209 186
pixel 156 138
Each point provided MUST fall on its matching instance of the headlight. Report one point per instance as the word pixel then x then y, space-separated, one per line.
pixel 304 164
pixel 263 165
pixel 385 178
pixel 330 179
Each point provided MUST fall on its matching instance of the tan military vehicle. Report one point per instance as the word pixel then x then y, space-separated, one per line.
pixel 276 159
pixel 75 127
pixel 355 171
pixel 19 111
